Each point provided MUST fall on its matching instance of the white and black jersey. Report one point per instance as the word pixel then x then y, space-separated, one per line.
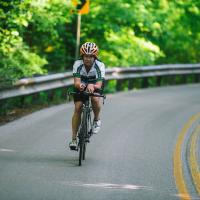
pixel 96 73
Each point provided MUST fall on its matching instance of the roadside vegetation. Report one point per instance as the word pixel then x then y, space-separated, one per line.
pixel 39 36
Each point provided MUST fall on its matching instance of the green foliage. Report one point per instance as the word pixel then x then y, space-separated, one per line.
pixel 171 27
pixel 118 37
pixel 32 36
pixel 16 58
pixel 125 49
pixel 46 33
pixel 110 86
pixel 37 37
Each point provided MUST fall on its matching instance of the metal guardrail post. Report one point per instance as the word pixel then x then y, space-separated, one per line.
pixel 172 80
pixel 119 85
pixel 197 78
pixel 130 84
pixel 145 82
pixel 158 80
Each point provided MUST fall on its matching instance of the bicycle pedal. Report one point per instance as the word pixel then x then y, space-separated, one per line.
pixel 73 148
pixel 87 140
pixel 90 133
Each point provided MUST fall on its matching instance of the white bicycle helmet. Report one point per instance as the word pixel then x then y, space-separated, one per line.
pixel 89 48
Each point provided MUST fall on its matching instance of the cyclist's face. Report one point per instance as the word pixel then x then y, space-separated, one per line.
pixel 88 60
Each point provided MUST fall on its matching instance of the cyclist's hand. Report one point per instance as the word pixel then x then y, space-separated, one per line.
pixel 82 86
pixel 90 88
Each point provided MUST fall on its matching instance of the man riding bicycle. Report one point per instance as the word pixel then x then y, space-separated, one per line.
pixel 89 74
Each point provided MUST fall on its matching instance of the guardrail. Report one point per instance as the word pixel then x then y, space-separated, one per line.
pixel 29 86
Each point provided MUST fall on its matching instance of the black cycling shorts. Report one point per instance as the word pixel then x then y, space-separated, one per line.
pixel 81 97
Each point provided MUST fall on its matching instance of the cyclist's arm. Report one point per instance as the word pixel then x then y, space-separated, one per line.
pixel 78 84
pixel 77 75
pixel 100 75
pixel 98 85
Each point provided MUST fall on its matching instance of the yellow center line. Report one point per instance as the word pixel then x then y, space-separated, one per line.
pixel 193 160
pixel 178 169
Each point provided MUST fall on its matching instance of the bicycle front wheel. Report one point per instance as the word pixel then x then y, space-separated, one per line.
pixel 80 153
pixel 82 137
pixel 86 132
pixel 82 148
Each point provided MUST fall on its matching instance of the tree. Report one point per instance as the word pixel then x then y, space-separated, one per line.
pixel 32 37
pixel 38 37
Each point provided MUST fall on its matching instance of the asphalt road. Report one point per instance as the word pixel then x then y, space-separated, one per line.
pixel 132 158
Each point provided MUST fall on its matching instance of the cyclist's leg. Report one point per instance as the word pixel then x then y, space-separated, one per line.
pixel 76 118
pixel 96 107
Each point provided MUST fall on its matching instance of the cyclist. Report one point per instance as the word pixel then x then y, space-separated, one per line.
pixel 89 74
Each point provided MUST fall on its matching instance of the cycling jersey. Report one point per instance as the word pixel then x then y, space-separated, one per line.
pixel 96 73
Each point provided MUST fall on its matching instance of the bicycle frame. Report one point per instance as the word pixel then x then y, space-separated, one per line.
pixel 85 128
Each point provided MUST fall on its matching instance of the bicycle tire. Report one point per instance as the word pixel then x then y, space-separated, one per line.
pixel 85 131
pixel 80 154
pixel 84 150
pixel 82 135
pixel 88 132
pixel 81 145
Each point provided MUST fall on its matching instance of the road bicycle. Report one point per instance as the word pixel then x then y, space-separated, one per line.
pixel 85 128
